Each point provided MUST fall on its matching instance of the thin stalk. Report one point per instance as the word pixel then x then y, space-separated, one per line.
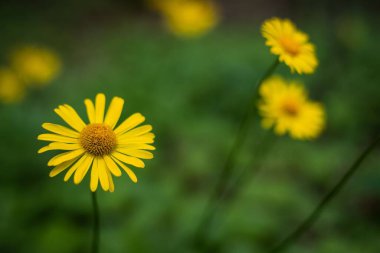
pixel 95 232
pixel 309 221
pixel 198 240
pixel 232 190
pixel 259 155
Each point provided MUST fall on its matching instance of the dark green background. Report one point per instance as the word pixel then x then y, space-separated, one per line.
pixel 193 93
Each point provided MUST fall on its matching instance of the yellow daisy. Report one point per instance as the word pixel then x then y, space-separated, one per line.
pixel 290 44
pixel 35 65
pixel 11 89
pixel 286 107
pixel 188 18
pixel 99 145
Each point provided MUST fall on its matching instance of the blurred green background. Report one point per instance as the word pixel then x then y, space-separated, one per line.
pixel 193 92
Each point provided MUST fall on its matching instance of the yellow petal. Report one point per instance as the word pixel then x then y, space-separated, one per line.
pixel 136 146
pixel 65 146
pixel 58 129
pixel 112 186
pixel 131 122
pixel 74 115
pixel 58 169
pixel 56 138
pixel 81 172
pixel 70 118
pixel 136 153
pixel 112 166
pixel 128 136
pixel 143 139
pixel 90 110
pixel 138 131
pixel 114 112
pixel 100 103
pixel 130 173
pixel 94 175
pixel 59 146
pixel 128 159
pixel 103 174
pixel 74 168
pixel 58 159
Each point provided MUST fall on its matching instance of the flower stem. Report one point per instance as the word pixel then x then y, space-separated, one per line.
pixel 95 233
pixel 217 194
pixel 309 221
pixel 258 156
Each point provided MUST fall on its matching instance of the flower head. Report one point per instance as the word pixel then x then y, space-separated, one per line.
pixel 291 45
pixel 11 89
pixel 286 107
pixel 98 146
pixel 35 65
pixel 188 18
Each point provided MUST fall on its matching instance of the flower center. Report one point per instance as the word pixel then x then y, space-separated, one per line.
pixel 290 108
pixel 98 139
pixel 291 47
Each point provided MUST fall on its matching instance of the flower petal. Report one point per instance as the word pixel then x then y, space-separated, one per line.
pixel 58 159
pixel 136 153
pixel 81 172
pixel 136 146
pixel 103 174
pixel 59 146
pixel 58 169
pixel 112 186
pixel 128 159
pixel 100 103
pixel 138 131
pixel 142 139
pixel 69 115
pixel 90 108
pixel 114 112
pixel 131 122
pixel 94 175
pixel 56 138
pixel 61 130
pixel 130 173
pixel 112 166
pixel 74 114
pixel 74 168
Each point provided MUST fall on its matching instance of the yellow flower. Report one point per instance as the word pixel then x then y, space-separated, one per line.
pixel 188 18
pixel 291 45
pixel 286 107
pixel 98 145
pixel 11 89
pixel 36 66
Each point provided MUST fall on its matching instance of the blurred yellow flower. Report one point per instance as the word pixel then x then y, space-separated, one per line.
pixel 35 65
pixel 286 107
pixel 291 45
pixel 11 89
pixel 188 18
pixel 99 144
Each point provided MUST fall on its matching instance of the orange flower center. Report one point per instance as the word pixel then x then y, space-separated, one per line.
pixel 290 108
pixel 98 139
pixel 291 46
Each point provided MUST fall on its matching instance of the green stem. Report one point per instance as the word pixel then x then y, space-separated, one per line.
pixel 309 221
pixel 95 233
pixel 258 155
pixel 210 210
